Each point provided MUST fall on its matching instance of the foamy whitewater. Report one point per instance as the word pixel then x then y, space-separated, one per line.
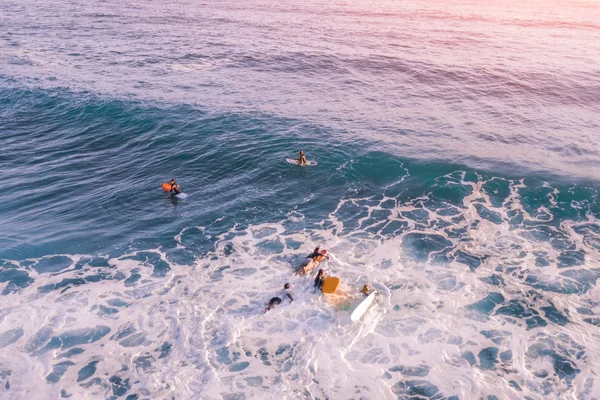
pixel 458 175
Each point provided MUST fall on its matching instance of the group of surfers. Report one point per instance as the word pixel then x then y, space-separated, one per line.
pixel 309 263
pixel 176 189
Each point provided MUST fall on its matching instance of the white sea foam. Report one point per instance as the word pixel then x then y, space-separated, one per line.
pixel 200 331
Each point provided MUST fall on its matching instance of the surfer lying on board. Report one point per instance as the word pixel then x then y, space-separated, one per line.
pixel 302 158
pixel 312 261
pixel 175 188
pixel 287 292
pixel 319 279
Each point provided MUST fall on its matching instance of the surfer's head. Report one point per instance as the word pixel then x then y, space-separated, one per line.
pixel 301 153
pixel 286 286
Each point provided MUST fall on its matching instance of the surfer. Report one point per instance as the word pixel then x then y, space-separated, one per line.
pixel 302 158
pixel 286 292
pixel 365 290
pixel 319 279
pixel 312 260
pixel 318 253
pixel 175 188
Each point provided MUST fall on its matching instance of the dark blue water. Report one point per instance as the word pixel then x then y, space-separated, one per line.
pixel 458 173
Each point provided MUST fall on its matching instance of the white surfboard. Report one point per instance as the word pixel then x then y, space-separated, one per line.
pixel 181 195
pixel 296 162
pixel 362 307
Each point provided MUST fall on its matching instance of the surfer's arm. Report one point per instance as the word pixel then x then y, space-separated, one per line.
pixel 290 296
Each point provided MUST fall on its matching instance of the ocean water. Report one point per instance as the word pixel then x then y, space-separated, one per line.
pixel 458 148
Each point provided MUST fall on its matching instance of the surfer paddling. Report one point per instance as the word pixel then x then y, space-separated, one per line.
pixel 286 292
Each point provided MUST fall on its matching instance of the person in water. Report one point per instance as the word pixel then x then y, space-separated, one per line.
pixel 365 290
pixel 319 279
pixel 311 261
pixel 316 253
pixel 302 158
pixel 175 188
pixel 287 292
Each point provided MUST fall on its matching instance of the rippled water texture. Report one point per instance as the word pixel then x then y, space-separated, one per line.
pixel 457 149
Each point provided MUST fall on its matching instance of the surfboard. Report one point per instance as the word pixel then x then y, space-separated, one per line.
pixel 181 195
pixel 362 307
pixel 309 163
pixel 330 284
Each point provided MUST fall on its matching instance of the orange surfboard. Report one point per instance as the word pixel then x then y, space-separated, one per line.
pixel 330 284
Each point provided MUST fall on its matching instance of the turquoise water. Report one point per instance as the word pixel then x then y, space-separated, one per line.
pixel 458 174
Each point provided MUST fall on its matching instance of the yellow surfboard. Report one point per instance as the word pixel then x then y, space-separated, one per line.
pixel 330 284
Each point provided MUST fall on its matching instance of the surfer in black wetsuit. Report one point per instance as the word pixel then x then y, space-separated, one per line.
pixel 311 262
pixel 319 279
pixel 316 253
pixel 175 188
pixel 287 292
pixel 302 158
